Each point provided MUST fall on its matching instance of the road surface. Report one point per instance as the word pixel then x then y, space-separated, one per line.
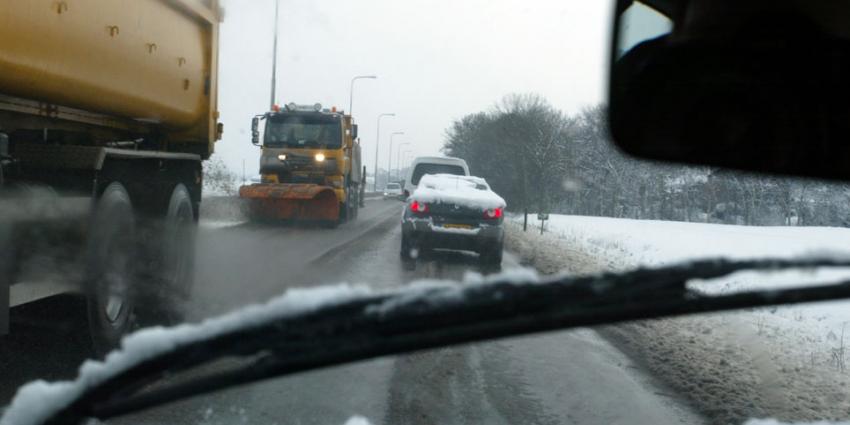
pixel 553 378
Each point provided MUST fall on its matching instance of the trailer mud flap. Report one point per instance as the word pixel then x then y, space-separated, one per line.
pixel 284 201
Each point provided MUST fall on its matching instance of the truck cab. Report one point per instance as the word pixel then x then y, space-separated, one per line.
pixel 306 151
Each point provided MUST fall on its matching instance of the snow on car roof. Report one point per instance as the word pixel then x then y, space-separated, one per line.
pixel 466 191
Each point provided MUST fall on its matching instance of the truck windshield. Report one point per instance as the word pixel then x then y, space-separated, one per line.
pixel 300 131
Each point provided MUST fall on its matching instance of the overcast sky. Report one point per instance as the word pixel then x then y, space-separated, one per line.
pixel 436 60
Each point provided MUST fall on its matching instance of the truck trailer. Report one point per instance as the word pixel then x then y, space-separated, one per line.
pixel 107 110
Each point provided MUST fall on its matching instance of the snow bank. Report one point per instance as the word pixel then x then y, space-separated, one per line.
pixel 775 422
pixel 785 362
pixel 360 420
pixel 466 191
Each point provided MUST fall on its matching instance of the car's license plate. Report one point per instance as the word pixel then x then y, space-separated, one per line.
pixel 457 226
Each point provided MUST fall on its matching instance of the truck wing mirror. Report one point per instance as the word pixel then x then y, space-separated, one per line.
pixel 760 88
pixel 255 131
pixel 354 132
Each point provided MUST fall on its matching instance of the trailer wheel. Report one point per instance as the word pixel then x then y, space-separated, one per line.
pixel 175 251
pixel 110 273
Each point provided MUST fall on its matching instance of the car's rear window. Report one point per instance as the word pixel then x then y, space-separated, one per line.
pixel 424 168
pixel 393 186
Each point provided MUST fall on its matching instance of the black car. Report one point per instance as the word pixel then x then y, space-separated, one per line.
pixel 454 212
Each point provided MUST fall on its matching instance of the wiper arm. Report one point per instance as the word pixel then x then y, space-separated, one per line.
pixel 416 319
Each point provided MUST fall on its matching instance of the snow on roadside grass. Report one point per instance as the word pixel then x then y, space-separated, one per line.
pixel 626 243
pixel 789 361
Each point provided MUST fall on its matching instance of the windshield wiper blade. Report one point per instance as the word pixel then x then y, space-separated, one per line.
pixel 416 318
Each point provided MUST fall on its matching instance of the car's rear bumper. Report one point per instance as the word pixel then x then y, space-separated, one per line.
pixel 424 233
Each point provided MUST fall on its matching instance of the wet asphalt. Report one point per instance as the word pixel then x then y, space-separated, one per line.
pixel 570 377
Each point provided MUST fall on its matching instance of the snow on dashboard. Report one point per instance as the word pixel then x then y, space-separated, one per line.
pixel 39 400
pixel 466 191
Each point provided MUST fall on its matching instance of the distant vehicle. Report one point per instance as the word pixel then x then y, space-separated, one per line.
pixel 454 212
pixel 432 165
pixel 393 190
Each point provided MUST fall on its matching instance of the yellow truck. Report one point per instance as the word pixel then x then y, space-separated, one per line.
pixel 107 109
pixel 310 166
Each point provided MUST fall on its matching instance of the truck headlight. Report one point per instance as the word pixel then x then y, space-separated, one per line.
pixel 282 157
pixel 320 157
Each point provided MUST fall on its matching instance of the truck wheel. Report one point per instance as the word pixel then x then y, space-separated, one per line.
pixel 7 247
pixel 175 252
pixel 110 273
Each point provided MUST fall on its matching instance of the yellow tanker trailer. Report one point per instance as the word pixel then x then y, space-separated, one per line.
pixel 107 109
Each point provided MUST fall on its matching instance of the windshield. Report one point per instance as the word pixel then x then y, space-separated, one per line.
pixel 303 131
pixel 165 163
pixel 424 168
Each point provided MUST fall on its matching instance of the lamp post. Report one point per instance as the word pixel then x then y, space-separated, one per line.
pixel 377 145
pixel 398 159
pixel 390 155
pixel 405 160
pixel 351 93
pixel 274 55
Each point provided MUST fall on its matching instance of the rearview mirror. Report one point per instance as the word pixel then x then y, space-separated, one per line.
pixel 746 85
pixel 255 131
pixel 354 132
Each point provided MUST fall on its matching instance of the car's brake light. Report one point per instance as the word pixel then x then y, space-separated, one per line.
pixel 418 207
pixel 493 214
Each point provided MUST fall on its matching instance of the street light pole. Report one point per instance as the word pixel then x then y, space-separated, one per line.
pixel 390 155
pixel 404 160
pixel 351 93
pixel 274 55
pixel 398 159
pixel 377 145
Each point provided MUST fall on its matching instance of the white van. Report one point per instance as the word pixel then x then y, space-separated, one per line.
pixel 432 165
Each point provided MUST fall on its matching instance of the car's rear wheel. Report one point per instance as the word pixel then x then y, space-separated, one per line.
pixel 406 247
pixel 492 256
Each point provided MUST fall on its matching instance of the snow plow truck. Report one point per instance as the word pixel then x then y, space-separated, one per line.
pixel 310 166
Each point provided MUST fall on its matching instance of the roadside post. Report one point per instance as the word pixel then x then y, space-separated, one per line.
pixel 542 217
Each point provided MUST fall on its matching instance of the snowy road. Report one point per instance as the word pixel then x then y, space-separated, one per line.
pixel 562 377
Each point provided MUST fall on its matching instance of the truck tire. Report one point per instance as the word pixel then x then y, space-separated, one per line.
pixel 7 248
pixel 165 297
pixel 110 274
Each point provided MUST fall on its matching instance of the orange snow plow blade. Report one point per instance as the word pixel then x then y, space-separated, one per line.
pixel 289 201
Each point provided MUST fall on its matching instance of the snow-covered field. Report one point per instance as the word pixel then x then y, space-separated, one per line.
pixel 785 362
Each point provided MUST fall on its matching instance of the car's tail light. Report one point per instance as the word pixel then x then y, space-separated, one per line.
pixel 493 214
pixel 418 207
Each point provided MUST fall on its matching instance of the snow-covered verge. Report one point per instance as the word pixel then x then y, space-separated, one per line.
pixel 467 191
pixel 785 362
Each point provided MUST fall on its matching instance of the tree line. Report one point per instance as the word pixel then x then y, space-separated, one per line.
pixel 543 160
